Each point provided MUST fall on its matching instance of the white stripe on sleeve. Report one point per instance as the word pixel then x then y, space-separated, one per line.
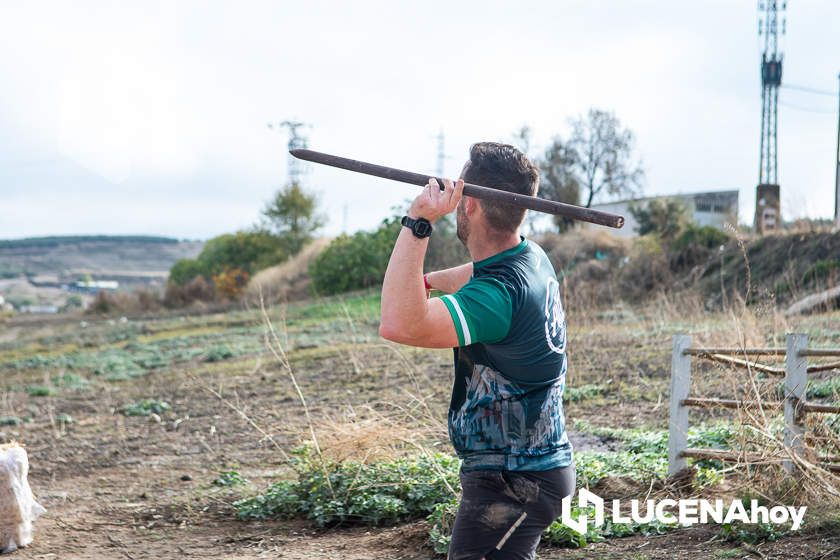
pixel 464 328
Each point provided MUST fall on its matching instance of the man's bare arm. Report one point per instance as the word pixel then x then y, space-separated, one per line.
pixel 450 280
pixel 408 316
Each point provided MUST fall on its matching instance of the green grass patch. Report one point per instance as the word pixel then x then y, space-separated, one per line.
pixel 229 478
pixel 146 407
pixel 827 389
pixel 70 381
pixel 358 307
pixel 39 391
pixel 583 392
pixel 219 353
pixel 644 453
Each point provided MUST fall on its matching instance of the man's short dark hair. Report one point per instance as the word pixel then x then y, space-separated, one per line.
pixel 504 167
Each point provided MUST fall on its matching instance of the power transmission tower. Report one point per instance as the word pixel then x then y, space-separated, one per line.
pixel 837 175
pixel 771 26
pixel 297 140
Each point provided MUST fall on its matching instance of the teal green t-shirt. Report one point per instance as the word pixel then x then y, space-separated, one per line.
pixel 506 411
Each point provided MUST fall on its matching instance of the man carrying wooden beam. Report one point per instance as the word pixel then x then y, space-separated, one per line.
pixel 504 318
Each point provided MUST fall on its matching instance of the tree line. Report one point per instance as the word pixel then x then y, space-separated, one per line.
pixel 596 161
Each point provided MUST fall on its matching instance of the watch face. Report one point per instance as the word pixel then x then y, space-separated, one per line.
pixel 422 228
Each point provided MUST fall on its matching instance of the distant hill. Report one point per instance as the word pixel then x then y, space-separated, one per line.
pixel 66 257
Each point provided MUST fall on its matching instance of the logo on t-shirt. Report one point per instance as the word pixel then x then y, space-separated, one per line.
pixel 555 318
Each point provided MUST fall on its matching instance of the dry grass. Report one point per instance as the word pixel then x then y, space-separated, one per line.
pixel 287 281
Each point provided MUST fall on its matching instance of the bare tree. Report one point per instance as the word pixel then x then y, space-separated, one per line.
pixel 601 153
pixel 557 178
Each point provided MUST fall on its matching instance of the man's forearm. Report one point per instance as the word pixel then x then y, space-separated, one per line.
pixel 450 280
pixel 403 294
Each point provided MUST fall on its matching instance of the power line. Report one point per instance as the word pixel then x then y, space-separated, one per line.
pixel 810 90
pixel 807 109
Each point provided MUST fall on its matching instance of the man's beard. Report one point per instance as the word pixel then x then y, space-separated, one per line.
pixel 462 227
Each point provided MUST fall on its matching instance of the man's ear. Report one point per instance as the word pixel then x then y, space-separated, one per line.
pixel 470 205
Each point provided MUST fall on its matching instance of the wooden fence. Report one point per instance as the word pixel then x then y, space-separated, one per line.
pixel 795 405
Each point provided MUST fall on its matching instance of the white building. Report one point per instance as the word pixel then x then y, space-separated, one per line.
pixel 715 208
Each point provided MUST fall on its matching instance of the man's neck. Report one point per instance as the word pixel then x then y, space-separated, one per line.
pixel 482 247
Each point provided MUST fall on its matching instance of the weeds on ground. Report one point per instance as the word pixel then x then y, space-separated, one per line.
pixel 229 478
pixel 583 392
pixel 146 407
pixel 375 494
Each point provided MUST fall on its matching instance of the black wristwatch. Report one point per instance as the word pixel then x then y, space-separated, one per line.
pixel 421 227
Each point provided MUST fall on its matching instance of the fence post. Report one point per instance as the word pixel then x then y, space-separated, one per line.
pixel 796 378
pixel 680 384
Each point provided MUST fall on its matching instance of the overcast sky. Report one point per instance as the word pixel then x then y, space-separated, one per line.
pixel 150 117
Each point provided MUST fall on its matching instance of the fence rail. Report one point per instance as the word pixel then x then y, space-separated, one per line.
pixel 794 404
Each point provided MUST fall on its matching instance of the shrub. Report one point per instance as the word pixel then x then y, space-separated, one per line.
pixel 197 290
pixel 185 270
pixel 73 302
pixel 230 283
pixel 354 262
pixel 441 521
pixel 104 303
pixel 646 270
pixel 821 271
pixel 665 217
pixel 358 261
pixel 249 251
pixel 696 245
pixel 373 493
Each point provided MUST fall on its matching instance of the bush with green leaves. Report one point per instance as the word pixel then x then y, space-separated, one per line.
pixel 250 251
pixel 664 217
pixel 441 521
pixel 372 493
pixel 358 261
pixel 354 262
pixel 696 245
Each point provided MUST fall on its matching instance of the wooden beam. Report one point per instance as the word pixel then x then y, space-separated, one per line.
pixel 743 363
pixel 737 351
pixel 752 458
pixel 737 403
pixel 823 367
pixel 816 352
pixel 729 456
